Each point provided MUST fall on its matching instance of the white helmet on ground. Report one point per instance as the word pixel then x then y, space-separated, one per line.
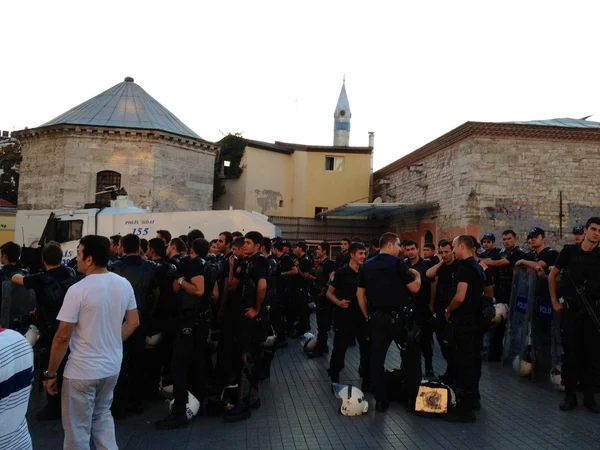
pixel 556 378
pixel 153 341
pixel 32 335
pixel 192 407
pixel 353 399
pixel 308 342
pixel 501 313
pixel 522 366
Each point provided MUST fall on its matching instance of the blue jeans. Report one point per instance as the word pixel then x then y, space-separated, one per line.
pixel 86 413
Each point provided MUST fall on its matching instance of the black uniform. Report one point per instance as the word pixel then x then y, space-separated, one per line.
pixel 466 333
pixel 226 350
pixel 159 358
pixel 324 306
pixel 579 336
pixel 502 288
pixel 251 335
pixel 350 324
pixel 280 311
pixel 50 288
pixel 341 260
pixel 444 294
pixel 423 313
pixel 385 278
pixel 6 274
pixel 192 328
pixel 129 389
pixel 300 294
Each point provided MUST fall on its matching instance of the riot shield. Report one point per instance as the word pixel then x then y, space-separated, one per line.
pixel 517 339
pixel 542 331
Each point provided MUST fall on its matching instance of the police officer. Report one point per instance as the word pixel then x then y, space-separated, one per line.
pixel 285 270
pixel 429 253
pixel 324 306
pixel 384 288
pixel 423 305
pixel 490 251
pixel 342 258
pixel 141 275
pixel 50 288
pixel 251 325
pixel 541 257
pixel 579 334
pixel 443 273
pixel 196 292
pixel 300 286
pixel 578 233
pixel 161 356
pixel 504 265
pixel 349 321
pixel 227 351
pixel 463 313
pixel 9 255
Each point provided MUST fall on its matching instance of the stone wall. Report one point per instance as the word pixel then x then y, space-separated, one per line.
pixel 443 178
pixel 59 169
pixel 518 185
pixel 492 184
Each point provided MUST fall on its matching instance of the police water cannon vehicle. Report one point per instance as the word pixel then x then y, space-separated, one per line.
pixel 35 228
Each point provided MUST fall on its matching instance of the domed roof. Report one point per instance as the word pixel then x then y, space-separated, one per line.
pixel 125 105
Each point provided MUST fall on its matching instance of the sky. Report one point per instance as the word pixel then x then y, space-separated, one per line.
pixel 273 70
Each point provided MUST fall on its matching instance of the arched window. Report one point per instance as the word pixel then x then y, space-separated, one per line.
pixel 428 238
pixel 105 179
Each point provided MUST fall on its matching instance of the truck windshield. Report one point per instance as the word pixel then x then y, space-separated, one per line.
pixel 68 230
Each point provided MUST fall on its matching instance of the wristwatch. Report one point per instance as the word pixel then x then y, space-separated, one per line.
pixel 181 280
pixel 47 376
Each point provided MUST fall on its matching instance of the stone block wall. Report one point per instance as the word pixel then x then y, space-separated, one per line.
pixel 165 174
pixel 518 185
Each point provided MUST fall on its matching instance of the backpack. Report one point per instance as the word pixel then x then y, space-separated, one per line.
pixel 212 269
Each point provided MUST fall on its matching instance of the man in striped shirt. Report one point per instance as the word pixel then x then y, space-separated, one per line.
pixel 16 376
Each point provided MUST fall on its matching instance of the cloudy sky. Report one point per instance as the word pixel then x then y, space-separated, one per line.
pixel 273 70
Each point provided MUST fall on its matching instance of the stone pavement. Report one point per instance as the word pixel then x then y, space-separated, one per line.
pixel 299 412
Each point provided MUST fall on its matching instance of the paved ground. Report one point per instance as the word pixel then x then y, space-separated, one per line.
pixel 299 412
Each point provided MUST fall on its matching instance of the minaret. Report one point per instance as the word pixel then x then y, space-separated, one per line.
pixel 341 120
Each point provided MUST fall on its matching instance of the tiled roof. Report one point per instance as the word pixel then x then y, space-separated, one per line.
pixel 549 130
pixel 565 122
pixel 5 204
pixel 125 105
pixel 289 148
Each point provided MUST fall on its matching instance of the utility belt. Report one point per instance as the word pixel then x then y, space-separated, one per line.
pixel 204 314
pixel 405 331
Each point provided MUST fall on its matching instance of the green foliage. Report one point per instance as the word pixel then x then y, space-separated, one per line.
pixel 10 158
pixel 232 150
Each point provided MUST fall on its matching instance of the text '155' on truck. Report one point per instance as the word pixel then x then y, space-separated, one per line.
pixel 33 229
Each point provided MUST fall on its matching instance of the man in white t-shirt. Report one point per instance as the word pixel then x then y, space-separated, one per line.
pixel 91 326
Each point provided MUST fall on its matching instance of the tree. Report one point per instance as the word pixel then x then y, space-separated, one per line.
pixel 227 162
pixel 10 158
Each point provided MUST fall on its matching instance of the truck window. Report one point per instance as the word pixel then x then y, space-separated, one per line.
pixel 70 230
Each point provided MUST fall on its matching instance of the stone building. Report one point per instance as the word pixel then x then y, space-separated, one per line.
pixel 121 137
pixel 487 177
pixel 296 180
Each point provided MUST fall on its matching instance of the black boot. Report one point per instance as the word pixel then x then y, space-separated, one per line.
pixel 382 406
pixel 461 415
pixel 318 352
pixel 569 403
pixel 171 422
pixel 590 402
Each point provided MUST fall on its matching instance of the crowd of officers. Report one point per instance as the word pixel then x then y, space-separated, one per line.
pixel 238 290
